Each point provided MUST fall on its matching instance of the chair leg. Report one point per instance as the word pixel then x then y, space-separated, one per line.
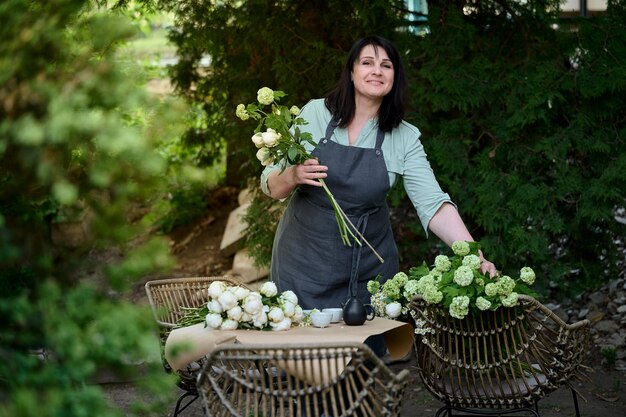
pixel 178 409
pixel 575 402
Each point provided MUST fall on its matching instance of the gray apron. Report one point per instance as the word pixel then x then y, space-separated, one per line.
pixel 308 256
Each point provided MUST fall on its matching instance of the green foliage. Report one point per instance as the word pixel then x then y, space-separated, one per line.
pixel 261 218
pixel 524 126
pixel 295 46
pixel 72 148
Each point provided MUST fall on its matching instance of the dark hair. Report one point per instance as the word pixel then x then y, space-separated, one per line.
pixel 340 101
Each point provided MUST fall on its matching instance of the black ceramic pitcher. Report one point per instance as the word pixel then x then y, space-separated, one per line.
pixel 355 312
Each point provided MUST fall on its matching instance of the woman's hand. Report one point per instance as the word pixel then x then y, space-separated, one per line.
pixel 487 267
pixel 309 172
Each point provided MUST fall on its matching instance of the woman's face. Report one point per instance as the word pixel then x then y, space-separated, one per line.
pixel 372 73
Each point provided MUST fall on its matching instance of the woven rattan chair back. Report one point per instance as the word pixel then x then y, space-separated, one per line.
pixel 299 381
pixel 509 358
pixel 167 299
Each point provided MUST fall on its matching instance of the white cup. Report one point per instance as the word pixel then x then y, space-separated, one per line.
pixel 336 312
pixel 320 319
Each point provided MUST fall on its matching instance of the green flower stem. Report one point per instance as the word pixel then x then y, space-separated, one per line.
pixel 344 230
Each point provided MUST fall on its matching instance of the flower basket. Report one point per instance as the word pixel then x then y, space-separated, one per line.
pixel 453 282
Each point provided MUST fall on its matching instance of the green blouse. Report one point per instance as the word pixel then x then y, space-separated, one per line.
pixel 403 152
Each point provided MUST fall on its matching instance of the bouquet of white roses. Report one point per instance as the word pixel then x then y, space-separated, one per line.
pixel 280 141
pixel 454 281
pixel 233 307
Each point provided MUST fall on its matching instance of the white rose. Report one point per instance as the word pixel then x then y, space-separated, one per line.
pixel 263 155
pixel 284 324
pixel 259 320
pixel 214 306
pixel 227 300
pixel 253 303
pixel 268 289
pixel 289 296
pixel 257 139
pixel 276 314
pixel 229 324
pixel 270 137
pixel 213 320
pixel 298 314
pixel 235 313
pixel 240 292
pixel 216 289
pixel 393 309
pixel 288 308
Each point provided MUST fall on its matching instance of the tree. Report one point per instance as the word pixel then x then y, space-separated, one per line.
pixel 72 147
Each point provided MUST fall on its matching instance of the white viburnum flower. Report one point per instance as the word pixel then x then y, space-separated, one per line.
pixel 459 306
pixel 442 263
pixel 506 284
pixel 235 313
pixel 264 156
pixel 463 276
pixel 284 324
pixel 265 95
pixel 393 309
pixel 257 139
pixel 472 261
pixel 270 137
pixel 400 278
pixel 410 289
pixel 431 294
pixel 294 110
pixel 509 300
pixel 483 304
pixel 214 306
pixel 527 275
pixel 425 281
pixel 217 288
pixel 276 314
pixel 268 289
pixel 242 113
pixel 460 247
pixel 229 324
pixel 213 320
pixel 227 300
pixel 491 289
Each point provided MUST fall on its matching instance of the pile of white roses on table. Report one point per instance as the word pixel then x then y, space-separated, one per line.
pixel 454 281
pixel 233 307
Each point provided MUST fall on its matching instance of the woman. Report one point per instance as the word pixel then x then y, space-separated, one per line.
pixel 364 146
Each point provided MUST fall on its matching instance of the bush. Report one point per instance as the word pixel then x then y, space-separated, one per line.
pixel 71 142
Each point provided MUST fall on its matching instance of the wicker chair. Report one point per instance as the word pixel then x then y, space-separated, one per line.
pixel 167 298
pixel 498 362
pixel 299 380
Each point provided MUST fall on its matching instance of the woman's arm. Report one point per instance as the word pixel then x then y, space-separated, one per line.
pixel 281 184
pixel 449 227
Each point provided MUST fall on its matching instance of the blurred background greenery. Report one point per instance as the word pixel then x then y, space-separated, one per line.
pixel 117 122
